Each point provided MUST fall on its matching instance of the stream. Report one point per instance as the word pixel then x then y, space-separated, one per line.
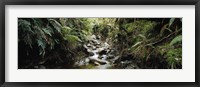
pixel 101 55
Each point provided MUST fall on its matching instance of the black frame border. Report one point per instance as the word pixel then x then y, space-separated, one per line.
pixel 3 3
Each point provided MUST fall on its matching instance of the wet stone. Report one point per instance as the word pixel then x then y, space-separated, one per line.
pixel 99 53
pixel 91 54
pixel 111 57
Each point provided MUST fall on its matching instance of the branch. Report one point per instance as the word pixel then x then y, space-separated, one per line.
pixel 163 38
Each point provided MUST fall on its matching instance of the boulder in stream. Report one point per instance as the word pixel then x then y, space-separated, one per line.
pixel 103 52
pixel 111 57
pixel 95 61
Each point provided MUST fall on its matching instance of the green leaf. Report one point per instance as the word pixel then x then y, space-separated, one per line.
pixel 142 36
pixel 56 25
pixel 176 40
pixel 46 31
pixel 169 29
pixel 66 30
pixel 57 41
pixel 72 38
pixel 62 21
pixel 171 21
pixel 23 22
pixel 25 26
pixel 41 44
pixel 135 45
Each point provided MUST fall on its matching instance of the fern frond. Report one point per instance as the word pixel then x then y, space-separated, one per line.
pixel 56 25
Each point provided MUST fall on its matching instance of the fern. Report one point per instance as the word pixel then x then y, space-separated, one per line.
pixel 47 31
pixel 25 26
pixel 66 30
pixel 41 44
pixel 56 25
pixel 72 39
pixel 62 21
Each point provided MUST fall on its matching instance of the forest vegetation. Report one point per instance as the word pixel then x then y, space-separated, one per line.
pixel 100 43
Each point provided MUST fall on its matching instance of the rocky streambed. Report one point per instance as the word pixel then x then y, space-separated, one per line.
pixel 101 55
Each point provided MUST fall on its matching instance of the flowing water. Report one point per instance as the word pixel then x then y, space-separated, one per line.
pixel 100 56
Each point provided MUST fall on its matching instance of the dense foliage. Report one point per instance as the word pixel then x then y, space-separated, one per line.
pixel 148 43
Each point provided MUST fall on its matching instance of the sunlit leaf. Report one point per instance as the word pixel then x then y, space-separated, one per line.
pixel 176 40
pixel 171 21
pixel 56 24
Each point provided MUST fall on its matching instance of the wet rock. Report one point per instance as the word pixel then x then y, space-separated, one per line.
pixel 127 65
pixel 111 57
pixel 108 50
pixel 103 52
pixel 82 62
pixel 98 37
pixel 98 52
pixel 92 42
pixel 87 60
pixel 87 51
pixel 131 66
pixel 106 45
pixel 100 49
pixel 97 64
pixel 103 57
pixel 94 48
pixel 98 60
pixel 116 57
pixel 98 43
pixel 98 46
pixel 112 51
pixel 85 47
pixel 91 54
pixel 93 37
pixel 102 63
pixel 89 45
